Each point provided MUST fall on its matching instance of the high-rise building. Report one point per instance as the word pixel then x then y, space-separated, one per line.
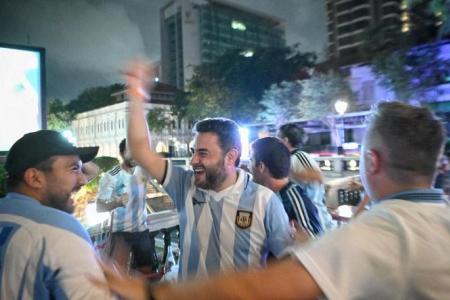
pixel 195 32
pixel 348 19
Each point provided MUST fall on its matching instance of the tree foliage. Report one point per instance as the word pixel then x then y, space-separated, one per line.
pixel 94 97
pixel 233 85
pixel 59 116
pixel 158 119
pixel 319 94
pixel 281 102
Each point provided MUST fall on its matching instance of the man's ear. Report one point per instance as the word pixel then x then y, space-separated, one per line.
pixel 34 178
pixel 231 156
pixel 373 161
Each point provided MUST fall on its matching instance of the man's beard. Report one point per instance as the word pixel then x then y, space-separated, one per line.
pixel 214 176
pixel 61 202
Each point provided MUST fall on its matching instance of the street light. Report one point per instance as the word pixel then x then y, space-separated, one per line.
pixel 341 107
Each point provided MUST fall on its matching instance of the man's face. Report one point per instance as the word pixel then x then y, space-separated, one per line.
pixel 63 181
pixel 208 161
pixel 127 160
pixel 253 168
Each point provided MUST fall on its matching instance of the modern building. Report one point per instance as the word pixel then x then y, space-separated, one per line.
pixel 198 31
pixel 348 19
pixel 107 126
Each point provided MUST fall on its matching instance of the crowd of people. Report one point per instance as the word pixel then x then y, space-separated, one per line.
pixel 239 230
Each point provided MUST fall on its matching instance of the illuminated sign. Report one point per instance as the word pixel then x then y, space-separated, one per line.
pixel 237 25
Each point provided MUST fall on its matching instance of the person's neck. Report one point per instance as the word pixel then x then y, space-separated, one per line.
pixel 391 188
pixel 277 184
pixel 127 168
pixel 229 181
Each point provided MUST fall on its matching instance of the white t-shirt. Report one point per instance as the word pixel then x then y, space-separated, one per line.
pixel 398 250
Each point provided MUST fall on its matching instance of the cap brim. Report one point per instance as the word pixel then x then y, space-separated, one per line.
pixel 87 153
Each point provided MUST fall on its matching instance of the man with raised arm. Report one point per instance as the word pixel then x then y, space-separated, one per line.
pixel 396 250
pixel 227 221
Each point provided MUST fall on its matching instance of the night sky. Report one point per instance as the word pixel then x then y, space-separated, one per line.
pixel 87 41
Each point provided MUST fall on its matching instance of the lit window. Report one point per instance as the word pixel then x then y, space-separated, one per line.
pixel 238 25
pixel 247 53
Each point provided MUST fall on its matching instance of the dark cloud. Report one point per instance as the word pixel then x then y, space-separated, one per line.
pixel 87 41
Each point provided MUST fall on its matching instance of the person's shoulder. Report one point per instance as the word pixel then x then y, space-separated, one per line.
pixel 115 170
pixel 57 219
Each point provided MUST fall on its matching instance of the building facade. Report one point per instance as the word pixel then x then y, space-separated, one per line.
pixel 195 32
pixel 348 19
pixel 107 126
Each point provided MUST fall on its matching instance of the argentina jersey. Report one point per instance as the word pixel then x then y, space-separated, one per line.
pixel 44 253
pixel 117 182
pixel 232 229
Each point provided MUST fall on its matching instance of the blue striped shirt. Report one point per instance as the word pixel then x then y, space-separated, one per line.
pixel 133 216
pixel 44 253
pixel 301 209
pixel 232 229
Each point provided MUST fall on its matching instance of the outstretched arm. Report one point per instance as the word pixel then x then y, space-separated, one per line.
pixel 139 78
pixel 286 279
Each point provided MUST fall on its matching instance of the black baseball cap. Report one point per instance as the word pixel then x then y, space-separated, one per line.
pixel 38 146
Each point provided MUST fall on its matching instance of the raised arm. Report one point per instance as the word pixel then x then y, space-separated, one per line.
pixel 139 78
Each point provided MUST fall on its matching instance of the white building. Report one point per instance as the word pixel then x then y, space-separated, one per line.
pixel 107 126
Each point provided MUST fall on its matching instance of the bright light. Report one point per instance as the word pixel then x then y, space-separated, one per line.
pixel 350 146
pixel 345 211
pixel 341 106
pixel 69 136
pixel 244 132
pixel 93 217
pixel 156 79
pixel 238 25
pixel 247 53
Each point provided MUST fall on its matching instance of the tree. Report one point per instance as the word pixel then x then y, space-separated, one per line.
pixel 281 102
pixel 94 97
pixel 158 119
pixel 319 94
pixel 59 116
pixel 233 85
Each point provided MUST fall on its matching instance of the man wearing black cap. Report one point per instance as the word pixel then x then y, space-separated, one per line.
pixel 45 253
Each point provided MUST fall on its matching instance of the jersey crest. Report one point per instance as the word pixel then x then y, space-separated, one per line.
pixel 244 219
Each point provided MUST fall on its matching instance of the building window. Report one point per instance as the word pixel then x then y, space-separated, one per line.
pixel 237 25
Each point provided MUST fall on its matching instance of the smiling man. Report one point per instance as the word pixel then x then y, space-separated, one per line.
pixel 45 253
pixel 226 220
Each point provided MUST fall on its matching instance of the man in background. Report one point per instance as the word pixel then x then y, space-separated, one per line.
pixel 122 190
pixel 270 164
pixel 306 172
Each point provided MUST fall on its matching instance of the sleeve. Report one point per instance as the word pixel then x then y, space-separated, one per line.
pixel 106 187
pixel 362 260
pixel 306 213
pixel 301 161
pixel 276 222
pixel 177 183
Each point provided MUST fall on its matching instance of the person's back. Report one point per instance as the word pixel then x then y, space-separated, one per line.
pixel 315 190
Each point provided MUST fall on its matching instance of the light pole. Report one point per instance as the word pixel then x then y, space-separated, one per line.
pixel 341 107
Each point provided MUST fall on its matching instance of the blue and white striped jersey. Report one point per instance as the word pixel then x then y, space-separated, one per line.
pixel 233 229
pixel 315 190
pixel 44 253
pixel 133 216
pixel 301 209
